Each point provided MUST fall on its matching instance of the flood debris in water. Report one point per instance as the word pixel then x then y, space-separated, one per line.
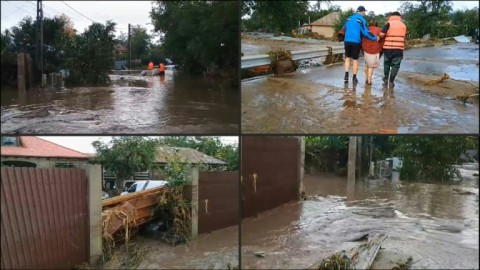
pixel 404 265
pixel 359 257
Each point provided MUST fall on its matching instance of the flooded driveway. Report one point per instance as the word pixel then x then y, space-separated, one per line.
pixel 175 103
pixel 316 100
pixel 433 223
pixel 215 250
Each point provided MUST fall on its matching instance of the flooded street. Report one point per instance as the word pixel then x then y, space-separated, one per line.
pixel 316 100
pixel 174 103
pixel 215 250
pixel 435 224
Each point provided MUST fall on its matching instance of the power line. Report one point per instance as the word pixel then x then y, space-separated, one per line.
pixel 11 13
pixel 77 11
pixel 19 7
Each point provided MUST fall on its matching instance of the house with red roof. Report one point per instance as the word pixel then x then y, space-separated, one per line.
pixel 31 151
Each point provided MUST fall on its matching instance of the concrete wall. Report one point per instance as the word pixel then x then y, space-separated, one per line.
pixel 94 175
pixel 326 31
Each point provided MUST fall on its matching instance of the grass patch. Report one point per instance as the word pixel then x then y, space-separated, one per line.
pixel 339 261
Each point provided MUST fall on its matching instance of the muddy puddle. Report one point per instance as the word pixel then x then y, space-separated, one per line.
pixel 174 103
pixel 215 250
pixel 435 224
pixel 316 100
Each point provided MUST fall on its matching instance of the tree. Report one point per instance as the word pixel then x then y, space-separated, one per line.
pixel 431 158
pixel 277 16
pixel 344 15
pixel 425 17
pixel 125 155
pixel 202 36
pixel 57 30
pixel 140 42
pixel 90 56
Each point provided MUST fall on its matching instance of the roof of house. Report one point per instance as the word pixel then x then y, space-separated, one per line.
pixel 31 146
pixel 188 155
pixel 328 20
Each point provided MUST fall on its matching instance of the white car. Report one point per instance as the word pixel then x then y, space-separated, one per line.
pixel 144 185
pixel 105 195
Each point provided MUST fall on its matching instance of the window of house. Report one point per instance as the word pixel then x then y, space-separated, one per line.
pixel 10 141
pixel 64 165
pixel 18 163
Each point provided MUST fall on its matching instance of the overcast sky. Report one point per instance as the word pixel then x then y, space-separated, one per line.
pixel 84 143
pixel 138 12
pixel 121 12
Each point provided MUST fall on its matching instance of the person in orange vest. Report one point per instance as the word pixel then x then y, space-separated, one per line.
pixel 394 32
pixel 161 68
pixel 150 65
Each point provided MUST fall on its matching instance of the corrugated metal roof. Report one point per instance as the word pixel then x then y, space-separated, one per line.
pixel 31 146
pixel 166 153
pixel 328 20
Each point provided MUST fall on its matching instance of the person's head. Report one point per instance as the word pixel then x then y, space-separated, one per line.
pixel 373 23
pixel 361 10
pixel 395 13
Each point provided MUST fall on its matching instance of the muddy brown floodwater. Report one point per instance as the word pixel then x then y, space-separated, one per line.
pixel 175 103
pixel 433 223
pixel 316 100
pixel 215 250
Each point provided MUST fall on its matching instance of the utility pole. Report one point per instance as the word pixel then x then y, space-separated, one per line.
pixel 129 49
pixel 39 39
pixel 352 156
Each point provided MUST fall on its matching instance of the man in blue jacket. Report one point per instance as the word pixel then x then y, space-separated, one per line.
pixel 355 27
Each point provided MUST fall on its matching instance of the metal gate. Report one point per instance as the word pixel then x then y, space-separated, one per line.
pixel 44 218
pixel 270 172
pixel 217 200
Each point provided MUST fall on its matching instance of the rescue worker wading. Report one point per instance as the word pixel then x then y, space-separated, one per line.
pixel 150 65
pixel 161 69
pixel 394 32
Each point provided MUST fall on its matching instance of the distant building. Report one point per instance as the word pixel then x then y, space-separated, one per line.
pixel 323 26
pixel 31 151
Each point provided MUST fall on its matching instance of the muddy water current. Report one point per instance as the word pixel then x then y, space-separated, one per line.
pixel 174 103
pixel 435 224
pixel 316 100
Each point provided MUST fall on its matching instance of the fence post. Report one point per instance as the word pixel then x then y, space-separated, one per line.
pixel 194 181
pixel 301 165
pixel 94 177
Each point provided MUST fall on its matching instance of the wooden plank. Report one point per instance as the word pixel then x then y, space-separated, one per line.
pixel 363 255
pixel 119 199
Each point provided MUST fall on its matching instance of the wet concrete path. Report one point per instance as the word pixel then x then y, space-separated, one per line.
pixel 433 223
pixel 316 100
pixel 135 104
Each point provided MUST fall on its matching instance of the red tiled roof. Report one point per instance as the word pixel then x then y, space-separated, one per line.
pixel 31 146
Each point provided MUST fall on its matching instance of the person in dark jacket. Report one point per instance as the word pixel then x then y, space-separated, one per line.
pixel 355 27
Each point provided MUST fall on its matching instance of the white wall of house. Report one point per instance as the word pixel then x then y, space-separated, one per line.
pixel 324 30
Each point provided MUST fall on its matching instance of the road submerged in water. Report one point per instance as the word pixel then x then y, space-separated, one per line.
pixel 174 103
pixel 435 224
pixel 316 100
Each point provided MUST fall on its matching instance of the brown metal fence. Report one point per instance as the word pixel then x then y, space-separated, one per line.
pixel 270 172
pixel 221 209
pixel 44 218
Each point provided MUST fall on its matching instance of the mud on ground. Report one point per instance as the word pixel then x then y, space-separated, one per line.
pixel 448 87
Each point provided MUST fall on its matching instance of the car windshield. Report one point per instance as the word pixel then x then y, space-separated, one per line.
pixel 132 188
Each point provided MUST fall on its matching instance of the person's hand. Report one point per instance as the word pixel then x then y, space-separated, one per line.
pixel 378 38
